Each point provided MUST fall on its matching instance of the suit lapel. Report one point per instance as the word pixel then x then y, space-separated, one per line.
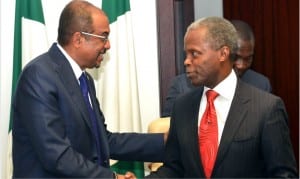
pixel 236 115
pixel 94 97
pixel 67 76
pixel 100 122
pixel 193 114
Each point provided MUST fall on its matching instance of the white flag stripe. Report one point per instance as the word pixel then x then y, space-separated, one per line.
pixel 118 88
pixel 34 40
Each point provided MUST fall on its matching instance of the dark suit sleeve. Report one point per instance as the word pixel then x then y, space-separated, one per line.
pixel 172 167
pixel 276 144
pixel 136 147
pixel 132 146
pixel 40 129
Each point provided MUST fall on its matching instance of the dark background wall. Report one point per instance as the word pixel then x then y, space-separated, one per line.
pixel 276 28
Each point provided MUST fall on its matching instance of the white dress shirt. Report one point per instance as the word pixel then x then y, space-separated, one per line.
pixel 226 90
pixel 75 67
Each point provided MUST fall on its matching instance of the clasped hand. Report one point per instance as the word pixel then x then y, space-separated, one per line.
pixel 128 175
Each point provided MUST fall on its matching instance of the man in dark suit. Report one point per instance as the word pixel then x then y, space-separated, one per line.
pixel 244 57
pixel 53 135
pixel 243 61
pixel 251 125
pixel 180 85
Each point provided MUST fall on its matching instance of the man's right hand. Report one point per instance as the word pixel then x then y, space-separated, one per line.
pixel 128 175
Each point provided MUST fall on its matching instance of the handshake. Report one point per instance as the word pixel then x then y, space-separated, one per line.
pixel 128 175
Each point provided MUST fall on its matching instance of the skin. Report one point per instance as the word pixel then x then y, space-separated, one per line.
pixel 88 51
pixel 244 56
pixel 205 65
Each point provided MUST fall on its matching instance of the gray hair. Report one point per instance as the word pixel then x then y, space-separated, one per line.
pixel 220 32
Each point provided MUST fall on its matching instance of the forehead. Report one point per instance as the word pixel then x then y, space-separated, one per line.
pixel 196 38
pixel 100 23
pixel 245 46
pixel 196 33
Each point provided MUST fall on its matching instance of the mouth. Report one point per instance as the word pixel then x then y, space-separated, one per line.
pixel 99 59
pixel 101 54
pixel 189 74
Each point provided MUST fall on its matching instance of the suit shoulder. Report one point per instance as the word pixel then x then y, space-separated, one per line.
pixel 191 96
pixel 256 94
pixel 41 61
pixel 256 79
pixel 179 79
pixel 256 75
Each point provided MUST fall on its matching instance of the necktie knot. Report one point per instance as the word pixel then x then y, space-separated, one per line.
pixel 211 95
pixel 83 84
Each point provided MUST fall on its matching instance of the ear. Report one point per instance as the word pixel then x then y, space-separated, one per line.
pixel 77 39
pixel 224 53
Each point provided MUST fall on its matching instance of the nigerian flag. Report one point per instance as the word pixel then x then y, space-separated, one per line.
pixel 30 40
pixel 118 85
pixel 30 37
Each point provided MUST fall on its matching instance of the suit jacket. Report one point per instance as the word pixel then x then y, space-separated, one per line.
pixel 52 133
pixel 255 141
pixel 181 85
pixel 256 79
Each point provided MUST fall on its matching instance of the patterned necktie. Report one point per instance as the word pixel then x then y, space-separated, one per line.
pixel 85 92
pixel 208 134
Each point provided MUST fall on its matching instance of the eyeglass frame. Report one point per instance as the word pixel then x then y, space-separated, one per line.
pixel 103 38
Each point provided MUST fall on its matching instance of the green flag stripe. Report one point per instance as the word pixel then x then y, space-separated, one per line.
pixel 30 9
pixel 123 166
pixel 115 8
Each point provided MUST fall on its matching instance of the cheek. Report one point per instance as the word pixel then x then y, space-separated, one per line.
pixel 208 66
pixel 201 65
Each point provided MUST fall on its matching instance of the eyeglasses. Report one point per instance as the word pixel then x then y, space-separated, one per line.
pixel 103 38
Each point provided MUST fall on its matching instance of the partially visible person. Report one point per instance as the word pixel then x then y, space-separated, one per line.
pixel 244 57
pixel 179 85
pixel 226 128
pixel 58 129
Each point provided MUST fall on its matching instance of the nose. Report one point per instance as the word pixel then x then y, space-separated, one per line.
pixel 187 61
pixel 107 44
pixel 240 64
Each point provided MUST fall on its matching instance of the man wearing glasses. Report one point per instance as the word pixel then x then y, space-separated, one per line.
pixel 58 126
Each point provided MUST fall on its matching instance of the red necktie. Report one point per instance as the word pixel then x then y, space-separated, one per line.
pixel 208 134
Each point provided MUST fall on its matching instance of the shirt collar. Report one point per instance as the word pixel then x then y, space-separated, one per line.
pixel 75 67
pixel 226 88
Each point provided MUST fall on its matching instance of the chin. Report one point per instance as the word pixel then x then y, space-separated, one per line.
pixel 195 83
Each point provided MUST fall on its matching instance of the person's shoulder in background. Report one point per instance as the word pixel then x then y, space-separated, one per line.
pixel 180 84
pixel 257 79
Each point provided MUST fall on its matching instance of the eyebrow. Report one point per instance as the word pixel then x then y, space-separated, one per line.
pixel 244 57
